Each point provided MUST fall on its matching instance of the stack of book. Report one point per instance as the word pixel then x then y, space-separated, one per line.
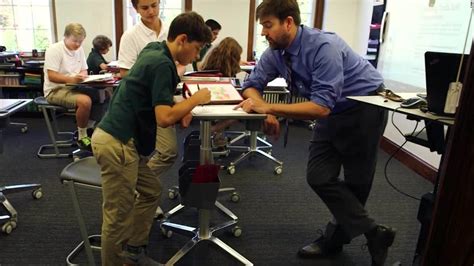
pixel 9 78
pixel 32 79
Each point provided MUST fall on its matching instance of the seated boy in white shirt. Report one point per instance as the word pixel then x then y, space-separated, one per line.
pixel 65 62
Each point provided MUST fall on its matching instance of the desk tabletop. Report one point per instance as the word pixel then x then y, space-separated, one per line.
pixel 10 106
pixel 247 68
pixel 395 106
pixel 98 85
pixel 223 112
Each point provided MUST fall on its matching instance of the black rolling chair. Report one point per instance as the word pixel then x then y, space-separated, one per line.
pixel 9 221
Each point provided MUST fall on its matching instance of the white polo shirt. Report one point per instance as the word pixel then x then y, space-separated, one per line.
pixel 134 40
pixel 64 61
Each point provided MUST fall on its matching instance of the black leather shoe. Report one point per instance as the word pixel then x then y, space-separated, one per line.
pixel 320 248
pixel 379 240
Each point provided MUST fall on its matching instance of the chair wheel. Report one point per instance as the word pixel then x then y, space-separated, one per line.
pixel 8 227
pixel 37 193
pixel 172 193
pixel 24 129
pixel 236 231
pixel 166 233
pixel 231 169
pixel 235 197
pixel 278 170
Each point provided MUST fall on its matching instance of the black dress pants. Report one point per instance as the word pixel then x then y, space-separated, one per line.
pixel 348 140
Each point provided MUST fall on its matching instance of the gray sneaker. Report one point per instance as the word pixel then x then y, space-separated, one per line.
pixel 138 256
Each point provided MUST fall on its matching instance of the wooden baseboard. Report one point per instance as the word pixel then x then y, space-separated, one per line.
pixel 410 160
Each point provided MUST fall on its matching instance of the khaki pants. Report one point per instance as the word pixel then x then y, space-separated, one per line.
pixel 66 96
pixel 166 150
pixel 127 219
pixel 63 96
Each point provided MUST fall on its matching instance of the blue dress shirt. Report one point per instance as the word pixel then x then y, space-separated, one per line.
pixel 325 69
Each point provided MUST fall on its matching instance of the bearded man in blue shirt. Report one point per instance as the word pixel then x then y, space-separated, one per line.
pixel 321 67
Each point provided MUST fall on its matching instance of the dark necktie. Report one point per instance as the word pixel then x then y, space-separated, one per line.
pixel 287 58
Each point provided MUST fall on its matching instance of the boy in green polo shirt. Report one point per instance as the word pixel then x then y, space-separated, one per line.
pixel 126 136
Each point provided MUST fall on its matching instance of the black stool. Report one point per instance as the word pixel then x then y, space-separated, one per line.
pixel 82 173
pixel 50 114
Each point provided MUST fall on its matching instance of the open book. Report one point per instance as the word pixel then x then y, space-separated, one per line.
pixel 221 93
pixel 99 78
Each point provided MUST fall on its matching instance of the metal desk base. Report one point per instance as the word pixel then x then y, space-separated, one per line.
pixel 204 232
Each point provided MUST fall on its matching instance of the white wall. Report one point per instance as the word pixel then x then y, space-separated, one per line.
pixel 233 15
pixel 350 19
pixel 96 16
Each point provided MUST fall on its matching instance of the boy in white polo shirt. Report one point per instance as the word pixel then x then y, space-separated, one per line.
pixel 148 29
pixel 65 62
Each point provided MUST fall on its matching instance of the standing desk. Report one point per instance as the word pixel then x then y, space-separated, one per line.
pixel 381 102
pixel 9 222
pixel 426 204
pixel 206 114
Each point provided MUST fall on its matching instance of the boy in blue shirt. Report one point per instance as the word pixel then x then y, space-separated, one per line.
pixel 126 137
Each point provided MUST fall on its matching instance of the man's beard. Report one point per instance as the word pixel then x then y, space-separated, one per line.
pixel 278 44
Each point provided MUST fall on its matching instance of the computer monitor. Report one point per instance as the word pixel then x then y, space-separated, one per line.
pixel 440 70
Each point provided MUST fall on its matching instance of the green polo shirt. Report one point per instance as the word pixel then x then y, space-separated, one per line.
pixel 202 53
pixel 94 60
pixel 150 82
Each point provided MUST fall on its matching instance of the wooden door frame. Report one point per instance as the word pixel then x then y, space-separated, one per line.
pixel 318 23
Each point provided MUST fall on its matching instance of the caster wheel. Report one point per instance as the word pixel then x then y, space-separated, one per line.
pixel 24 129
pixel 278 170
pixel 37 193
pixel 172 193
pixel 166 233
pixel 231 169
pixel 236 231
pixel 235 197
pixel 13 224
pixel 7 228
pixel 269 152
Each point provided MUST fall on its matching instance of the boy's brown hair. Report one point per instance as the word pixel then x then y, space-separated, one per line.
pixel 101 42
pixel 191 24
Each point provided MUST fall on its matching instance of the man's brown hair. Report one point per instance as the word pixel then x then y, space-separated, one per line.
pixel 280 9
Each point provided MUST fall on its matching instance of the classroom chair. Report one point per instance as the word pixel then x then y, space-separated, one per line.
pixel 50 112
pixel 253 143
pixel 10 221
pixel 83 173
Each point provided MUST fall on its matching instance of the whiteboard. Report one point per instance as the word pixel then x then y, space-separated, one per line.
pixel 414 28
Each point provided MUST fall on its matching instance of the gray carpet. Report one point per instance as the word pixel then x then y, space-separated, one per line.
pixel 278 214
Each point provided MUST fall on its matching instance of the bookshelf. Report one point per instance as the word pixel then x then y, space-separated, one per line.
pixel 21 77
